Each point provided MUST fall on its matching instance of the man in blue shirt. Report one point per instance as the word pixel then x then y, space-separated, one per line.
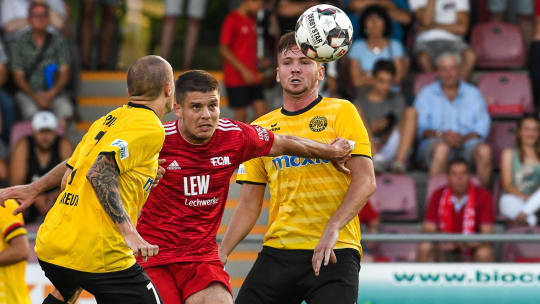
pixel 453 121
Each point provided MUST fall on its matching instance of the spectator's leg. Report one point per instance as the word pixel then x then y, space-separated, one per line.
pixel 531 207
pixel 87 32
pixel 407 131
pixel 260 107
pixel 483 162
pixel 26 105
pixel 106 35
pixel 240 114
pixel 63 109
pixel 467 66
pixel 192 35
pixel 426 252
pixel 484 254
pixel 167 36
pixel 425 62
pixel 3 172
pixel 439 158
pixel 510 205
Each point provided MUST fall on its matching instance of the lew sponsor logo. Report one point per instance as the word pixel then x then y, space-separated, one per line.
pixel 195 185
pixel 220 161
pixel 174 166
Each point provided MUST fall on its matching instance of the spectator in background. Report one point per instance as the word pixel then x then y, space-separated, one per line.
pixel 7 106
pixel 534 57
pixel 238 46
pixel 36 154
pixel 453 120
pixel 375 44
pixel 520 174
pixel 195 13
pixel 371 219
pixel 288 12
pixel 109 25
pixel 459 207
pixel 442 24
pixel 40 64
pixel 15 16
pixel 397 9
pixel 524 10
pixel 389 123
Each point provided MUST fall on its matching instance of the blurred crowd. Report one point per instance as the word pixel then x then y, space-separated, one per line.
pixel 445 86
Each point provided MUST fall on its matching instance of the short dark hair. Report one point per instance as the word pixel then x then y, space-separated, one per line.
pixel 286 42
pixel 147 77
pixel 35 4
pixel 457 161
pixel 381 13
pixel 384 65
pixel 194 81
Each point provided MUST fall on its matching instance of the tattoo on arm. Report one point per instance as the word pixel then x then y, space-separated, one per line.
pixel 103 177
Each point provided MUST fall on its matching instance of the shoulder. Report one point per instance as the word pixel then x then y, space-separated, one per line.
pixel 483 193
pixel 436 195
pixel 267 119
pixel 428 91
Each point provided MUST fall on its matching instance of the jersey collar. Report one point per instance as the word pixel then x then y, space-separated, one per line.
pixel 294 113
pixel 136 105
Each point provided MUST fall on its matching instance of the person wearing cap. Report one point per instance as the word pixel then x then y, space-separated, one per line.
pixel 35 155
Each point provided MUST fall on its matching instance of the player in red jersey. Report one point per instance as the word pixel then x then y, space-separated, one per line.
pixel 183 213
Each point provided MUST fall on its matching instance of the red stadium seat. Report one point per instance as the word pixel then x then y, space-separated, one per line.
pixel 522 252
pixel 422 80
pixel 506 94
pixel 19 130
pixel 393 251
pixel 395 197
pixel 501 136
pixel 498 45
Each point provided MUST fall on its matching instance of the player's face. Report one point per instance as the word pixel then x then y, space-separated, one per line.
pixel 298 74
pixel 458 178
pixel 199 115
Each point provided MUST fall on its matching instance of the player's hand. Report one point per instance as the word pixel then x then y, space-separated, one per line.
pixel 141 247
pixel 23 194
pixel 324 252
pixel 160 172
pixel 342 154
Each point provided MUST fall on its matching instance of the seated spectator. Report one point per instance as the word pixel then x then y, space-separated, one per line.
pixel 520 173
pixel 40 64
pixel 15 16
pixel 389 123
pixel 375 44
pixel 34 155
pixel 7 105
pixel 442 24
pixel 453 120
pixel 459 207
pixel 397 9
pixel 369 217
pixel 523 10
pixel 238 46
pixel 109 25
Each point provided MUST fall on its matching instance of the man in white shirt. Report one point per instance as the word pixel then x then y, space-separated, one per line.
pixel 441 27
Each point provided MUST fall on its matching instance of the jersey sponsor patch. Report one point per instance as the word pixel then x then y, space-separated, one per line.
pixel 263 133
pixel 123 145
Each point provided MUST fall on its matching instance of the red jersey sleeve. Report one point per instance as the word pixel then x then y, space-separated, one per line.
pixel 432 209
pixel 227 31
pixel 485 201
pixel 257 141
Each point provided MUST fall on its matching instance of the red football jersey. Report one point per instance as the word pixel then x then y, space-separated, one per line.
pixel 183 213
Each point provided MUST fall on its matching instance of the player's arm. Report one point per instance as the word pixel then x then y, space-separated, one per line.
pixel 361 188
pixel 337 152
pixel 18 250
pixel 104 178
pixel 25 194
pixel 244 218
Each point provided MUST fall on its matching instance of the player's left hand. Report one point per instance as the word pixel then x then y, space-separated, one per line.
pixel 160 172
pixel 324 250
pixel 344 150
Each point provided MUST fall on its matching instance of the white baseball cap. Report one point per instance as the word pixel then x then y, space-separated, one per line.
pixel 44 121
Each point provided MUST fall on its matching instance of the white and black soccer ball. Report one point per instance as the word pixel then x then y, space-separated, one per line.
pixel 324 33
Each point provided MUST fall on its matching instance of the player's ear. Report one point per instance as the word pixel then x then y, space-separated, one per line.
pixel 177 109
pixel 320 71
pixel 277 74
pixel 127 91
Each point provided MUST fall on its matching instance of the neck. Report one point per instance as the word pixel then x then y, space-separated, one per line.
pixel 294 103
pixel 38 36
pixel 375 95
pixel 154 105
pixel 242 10
pixel 377 40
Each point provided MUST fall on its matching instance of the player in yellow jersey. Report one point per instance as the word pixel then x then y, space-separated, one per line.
pixel 88 239
pixel 14 251
pixel 313 207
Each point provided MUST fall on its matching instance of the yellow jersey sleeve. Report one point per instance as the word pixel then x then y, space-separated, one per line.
pixel 11 225
pixel 349 125
pixel 134 145
pixel 252 171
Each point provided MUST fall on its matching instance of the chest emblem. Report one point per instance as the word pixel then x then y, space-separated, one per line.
pixel 318 123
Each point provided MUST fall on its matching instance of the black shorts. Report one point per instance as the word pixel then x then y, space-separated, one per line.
pixel 241 97
pixel 286 277
pixel 131 285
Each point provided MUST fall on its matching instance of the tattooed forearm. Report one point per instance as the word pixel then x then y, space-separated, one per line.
pixel 103 177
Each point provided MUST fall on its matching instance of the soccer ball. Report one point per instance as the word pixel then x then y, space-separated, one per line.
pixel 324 33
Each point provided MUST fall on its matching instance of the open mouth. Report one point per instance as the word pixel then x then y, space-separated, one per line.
pixel 296 80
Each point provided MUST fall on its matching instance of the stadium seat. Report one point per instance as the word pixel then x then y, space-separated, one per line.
pixel 498 45
pixel 506 94
pixel 501 136
pixel 521 252
pixel 423 79
pixel 395 197
pixel 393 251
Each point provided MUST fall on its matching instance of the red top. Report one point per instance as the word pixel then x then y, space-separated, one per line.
pixel 483 211
pixel 367 214
pixel 239 33
pixel 183 213
pixel 537 8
